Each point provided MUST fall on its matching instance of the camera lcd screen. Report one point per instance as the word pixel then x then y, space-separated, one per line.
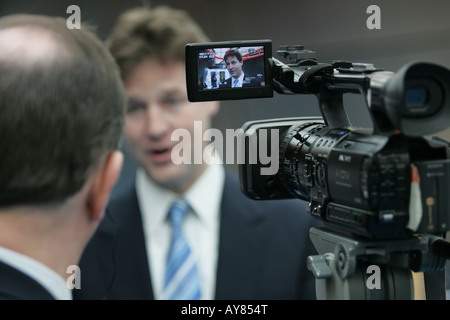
pixel 229 70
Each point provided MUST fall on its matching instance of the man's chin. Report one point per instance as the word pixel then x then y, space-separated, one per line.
pixel 174 177
pixel 169 175
pixel 164 171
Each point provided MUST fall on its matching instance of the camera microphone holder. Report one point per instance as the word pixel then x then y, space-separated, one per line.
pixel 349 267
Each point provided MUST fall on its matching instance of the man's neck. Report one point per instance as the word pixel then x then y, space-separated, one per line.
pixel 42 237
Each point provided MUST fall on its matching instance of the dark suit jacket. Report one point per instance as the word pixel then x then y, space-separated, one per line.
pixel 247 82
pixel 15 285
pixel 263 250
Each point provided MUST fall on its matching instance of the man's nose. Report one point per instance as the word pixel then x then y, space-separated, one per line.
pixel 157 122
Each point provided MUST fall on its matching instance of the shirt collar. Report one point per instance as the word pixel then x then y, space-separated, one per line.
pixel 204 196
pixel 46 277
pixel 241 78
pixel 154 201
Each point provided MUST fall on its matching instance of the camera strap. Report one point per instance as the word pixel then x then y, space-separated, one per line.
pixel 319 69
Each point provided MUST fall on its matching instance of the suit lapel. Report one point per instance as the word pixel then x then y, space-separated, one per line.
pixel 240 253
pixel 130 252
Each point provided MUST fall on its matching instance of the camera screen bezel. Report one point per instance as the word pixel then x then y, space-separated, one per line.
pixel 192 76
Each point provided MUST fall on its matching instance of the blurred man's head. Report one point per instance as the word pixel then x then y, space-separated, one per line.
pixel 61 109
pixel 149 47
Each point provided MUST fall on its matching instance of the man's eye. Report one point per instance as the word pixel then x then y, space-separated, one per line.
pixel 135 105
pixel 172 101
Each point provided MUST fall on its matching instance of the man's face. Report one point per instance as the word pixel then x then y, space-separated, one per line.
pixel 234 66
pixel 157 105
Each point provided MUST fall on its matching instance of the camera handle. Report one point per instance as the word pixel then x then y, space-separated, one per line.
pixel 331 105
pixel 352 268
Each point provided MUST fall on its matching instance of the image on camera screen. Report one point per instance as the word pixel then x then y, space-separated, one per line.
pixel 226 68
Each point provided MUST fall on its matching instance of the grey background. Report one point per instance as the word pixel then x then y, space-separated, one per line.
pixel 335 29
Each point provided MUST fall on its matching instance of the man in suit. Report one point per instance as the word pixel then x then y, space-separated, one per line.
pixel 241 248
pixel 61 118
pixel 234 63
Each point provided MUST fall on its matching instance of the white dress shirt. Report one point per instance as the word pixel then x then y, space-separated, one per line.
pixel 201 225
pixel 46 277
pixel 239 83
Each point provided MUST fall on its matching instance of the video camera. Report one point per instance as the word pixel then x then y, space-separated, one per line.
pixel 381 184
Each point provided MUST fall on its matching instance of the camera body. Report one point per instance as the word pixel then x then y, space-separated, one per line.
pixel 355 180
pixel 388 182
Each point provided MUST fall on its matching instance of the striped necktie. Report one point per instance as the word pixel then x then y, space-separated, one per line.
pixel 182 280
pixel 236 82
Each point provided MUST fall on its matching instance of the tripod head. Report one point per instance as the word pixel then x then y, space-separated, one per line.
pixel 349 267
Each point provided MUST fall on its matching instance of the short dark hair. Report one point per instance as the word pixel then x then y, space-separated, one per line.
pixel 58 119
pixel 161 32
pixel 233 53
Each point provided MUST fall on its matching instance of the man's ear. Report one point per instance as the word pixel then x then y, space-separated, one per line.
pixel 103 180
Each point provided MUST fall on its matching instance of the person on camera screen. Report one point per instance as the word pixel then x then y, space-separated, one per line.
pixel 234 63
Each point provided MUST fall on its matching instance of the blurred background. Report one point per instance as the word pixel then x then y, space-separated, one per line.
pixel 335 29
